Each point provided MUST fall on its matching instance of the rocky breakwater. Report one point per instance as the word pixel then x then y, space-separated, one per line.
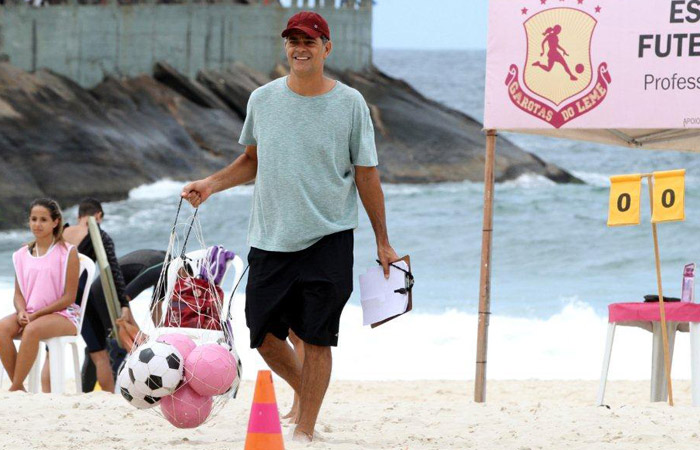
pixel 60 140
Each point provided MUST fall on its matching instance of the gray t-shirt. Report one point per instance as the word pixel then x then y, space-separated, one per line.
pixel 307 147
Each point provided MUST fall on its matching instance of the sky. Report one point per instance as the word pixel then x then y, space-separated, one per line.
pixel 427 24
pixel 430 24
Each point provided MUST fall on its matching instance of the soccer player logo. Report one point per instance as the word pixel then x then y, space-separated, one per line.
pixel 559 82
pixel 558 43
pixel 551 40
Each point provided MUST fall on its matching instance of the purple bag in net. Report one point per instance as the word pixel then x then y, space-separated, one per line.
pixel 214 264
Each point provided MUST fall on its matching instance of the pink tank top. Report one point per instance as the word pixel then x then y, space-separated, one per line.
pixel 42 280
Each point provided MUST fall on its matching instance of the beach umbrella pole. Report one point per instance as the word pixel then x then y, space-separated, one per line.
pixel 662 309
pixel 485 279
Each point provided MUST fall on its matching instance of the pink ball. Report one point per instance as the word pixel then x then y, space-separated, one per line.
pixel 210 369
pixel 186 408
pixel 181 342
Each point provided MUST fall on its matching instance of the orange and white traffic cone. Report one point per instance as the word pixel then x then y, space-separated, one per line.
pixel 264 429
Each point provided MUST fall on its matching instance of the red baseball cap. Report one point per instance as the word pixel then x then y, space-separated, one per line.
pixel 308 22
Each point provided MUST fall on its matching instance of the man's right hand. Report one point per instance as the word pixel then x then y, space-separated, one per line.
pixel 197 192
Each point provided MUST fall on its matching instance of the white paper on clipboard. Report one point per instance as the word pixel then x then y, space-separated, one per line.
pixel 377 296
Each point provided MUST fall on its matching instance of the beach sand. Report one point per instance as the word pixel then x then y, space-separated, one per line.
pixel 378 415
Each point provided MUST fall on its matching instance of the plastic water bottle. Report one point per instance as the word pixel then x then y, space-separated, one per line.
pixel 688 289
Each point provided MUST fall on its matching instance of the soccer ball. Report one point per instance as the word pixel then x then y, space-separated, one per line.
pixel 155 368
pixel 184 344
pixel 210 369
pixel 131 395
pixel 186 408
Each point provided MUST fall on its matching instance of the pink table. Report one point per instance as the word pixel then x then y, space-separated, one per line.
pixel 682 316
pixel 646 313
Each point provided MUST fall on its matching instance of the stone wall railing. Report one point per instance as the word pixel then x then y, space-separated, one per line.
pixel 86 42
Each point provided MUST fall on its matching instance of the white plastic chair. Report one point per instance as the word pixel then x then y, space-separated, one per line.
pixel 57 345
pixel 197 257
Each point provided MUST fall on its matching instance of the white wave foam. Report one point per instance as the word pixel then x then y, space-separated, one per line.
pixel 167 188
pixel 528 181
pixel 569 345
pixel 416 189
pixel 594 179
pixel 160 189
pixel 16 236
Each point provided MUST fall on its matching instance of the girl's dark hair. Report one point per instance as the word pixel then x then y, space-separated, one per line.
pixel 55 212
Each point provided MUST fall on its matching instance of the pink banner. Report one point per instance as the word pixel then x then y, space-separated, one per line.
pixel 593 64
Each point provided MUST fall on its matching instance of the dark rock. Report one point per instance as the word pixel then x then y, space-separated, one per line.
pixel 62 141
pixel 215 131
pixel 233 85
pixel 190 89
pixel 65 142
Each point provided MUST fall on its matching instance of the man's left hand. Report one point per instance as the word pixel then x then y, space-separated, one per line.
pixel 386 255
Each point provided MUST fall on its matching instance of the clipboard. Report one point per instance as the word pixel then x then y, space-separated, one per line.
pixel 407 260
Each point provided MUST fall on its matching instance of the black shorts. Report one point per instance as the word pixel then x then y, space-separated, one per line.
pixel 95 326
pixel 94 331
pixel 304 291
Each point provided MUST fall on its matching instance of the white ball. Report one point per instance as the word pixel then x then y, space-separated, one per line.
pixel 135 398
pixel 155 368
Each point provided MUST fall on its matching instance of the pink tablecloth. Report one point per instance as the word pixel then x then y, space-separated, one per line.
pixel 649 312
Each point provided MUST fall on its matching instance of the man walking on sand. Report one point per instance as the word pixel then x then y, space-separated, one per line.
pixel 310 148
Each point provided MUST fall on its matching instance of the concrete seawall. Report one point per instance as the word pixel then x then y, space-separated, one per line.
pixel 87 42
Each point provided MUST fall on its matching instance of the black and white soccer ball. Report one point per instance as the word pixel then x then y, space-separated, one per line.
pixel 155 368
pixel 127 389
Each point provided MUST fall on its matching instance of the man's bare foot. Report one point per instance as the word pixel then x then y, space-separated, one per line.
pixel 292 417
pixel 300 436
pixel 16 389
pixel 293 414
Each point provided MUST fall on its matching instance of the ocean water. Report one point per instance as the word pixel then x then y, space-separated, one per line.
pixel 555 267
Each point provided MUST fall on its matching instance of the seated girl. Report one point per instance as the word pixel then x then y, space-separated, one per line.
pixel 46 283
pixel 96 324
